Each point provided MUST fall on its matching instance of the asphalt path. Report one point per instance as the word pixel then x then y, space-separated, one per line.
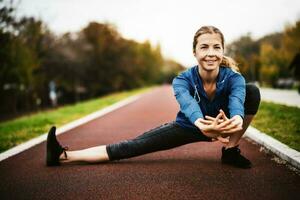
pixel 192 171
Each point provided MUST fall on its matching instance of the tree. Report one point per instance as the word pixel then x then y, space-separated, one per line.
pixel 291 40
pixel 23 47
pixel 269 69
pixel 245 51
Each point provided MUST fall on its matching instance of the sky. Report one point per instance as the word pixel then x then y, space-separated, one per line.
pixel 171 23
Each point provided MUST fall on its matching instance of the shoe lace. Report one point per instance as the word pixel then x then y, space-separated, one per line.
pixel 237 151
pixel 65 148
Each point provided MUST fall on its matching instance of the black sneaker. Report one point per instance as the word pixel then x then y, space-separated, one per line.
pixel 232 156
pixel 54 149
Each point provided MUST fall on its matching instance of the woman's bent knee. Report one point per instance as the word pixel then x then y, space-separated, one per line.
pixel 252 99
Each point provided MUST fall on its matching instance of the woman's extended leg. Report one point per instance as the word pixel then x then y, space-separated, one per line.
pixel 91 155
pixel 164 137
pixel 167 136
pixel 56 154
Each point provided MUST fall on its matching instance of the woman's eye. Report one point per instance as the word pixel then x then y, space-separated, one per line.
pixel 217 47
pixel 203 47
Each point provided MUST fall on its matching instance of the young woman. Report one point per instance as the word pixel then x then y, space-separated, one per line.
pixel 215 104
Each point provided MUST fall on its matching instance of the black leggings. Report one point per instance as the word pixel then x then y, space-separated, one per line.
pixel 172 135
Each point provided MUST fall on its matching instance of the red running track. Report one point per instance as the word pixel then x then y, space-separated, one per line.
pixel 192 171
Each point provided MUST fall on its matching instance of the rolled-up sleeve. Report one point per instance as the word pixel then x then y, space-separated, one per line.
pixel 188 105
pixel 237 95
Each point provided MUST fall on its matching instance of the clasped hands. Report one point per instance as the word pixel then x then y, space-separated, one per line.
pixel 220 127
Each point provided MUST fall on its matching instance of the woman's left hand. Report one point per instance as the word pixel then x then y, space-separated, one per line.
pixel 235 125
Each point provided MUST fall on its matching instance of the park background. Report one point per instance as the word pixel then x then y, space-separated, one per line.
pixel 57 54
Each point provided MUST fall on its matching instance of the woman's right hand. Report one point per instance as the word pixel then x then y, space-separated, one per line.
pixel 212 128
pixel 235 125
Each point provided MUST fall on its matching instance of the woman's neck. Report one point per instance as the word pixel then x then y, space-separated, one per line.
pixel 208 77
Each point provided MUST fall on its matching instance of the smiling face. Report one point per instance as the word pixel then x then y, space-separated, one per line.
pixel 209 51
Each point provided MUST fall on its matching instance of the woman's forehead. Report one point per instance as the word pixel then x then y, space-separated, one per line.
pixel 209 38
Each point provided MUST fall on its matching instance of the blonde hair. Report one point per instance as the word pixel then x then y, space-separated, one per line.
pixel 226 61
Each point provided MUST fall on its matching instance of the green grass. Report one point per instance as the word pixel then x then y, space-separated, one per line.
pixel 19 130
pixel 279 121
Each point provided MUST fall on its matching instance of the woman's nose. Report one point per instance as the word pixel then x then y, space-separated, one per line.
pixel 210 52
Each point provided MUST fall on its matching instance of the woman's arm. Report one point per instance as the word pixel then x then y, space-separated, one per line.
pixel 237 93
pixel 188 105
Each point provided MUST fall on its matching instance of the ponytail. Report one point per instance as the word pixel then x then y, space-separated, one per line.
pixel 230 62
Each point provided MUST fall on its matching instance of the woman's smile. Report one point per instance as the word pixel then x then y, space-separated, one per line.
pixel 210 62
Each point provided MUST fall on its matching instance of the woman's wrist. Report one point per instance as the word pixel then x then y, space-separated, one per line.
pixel 205 130
pixel 198 124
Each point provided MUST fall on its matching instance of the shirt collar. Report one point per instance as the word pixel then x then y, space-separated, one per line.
pixel 220 80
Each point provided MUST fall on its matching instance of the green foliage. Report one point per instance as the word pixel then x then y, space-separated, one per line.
pixel 269 57
pixel 17 61
pixel 244 50
pixel 291 40
pixel 268 60
pixel 94 61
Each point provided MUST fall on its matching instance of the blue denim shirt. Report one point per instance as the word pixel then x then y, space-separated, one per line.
pixel 194 103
